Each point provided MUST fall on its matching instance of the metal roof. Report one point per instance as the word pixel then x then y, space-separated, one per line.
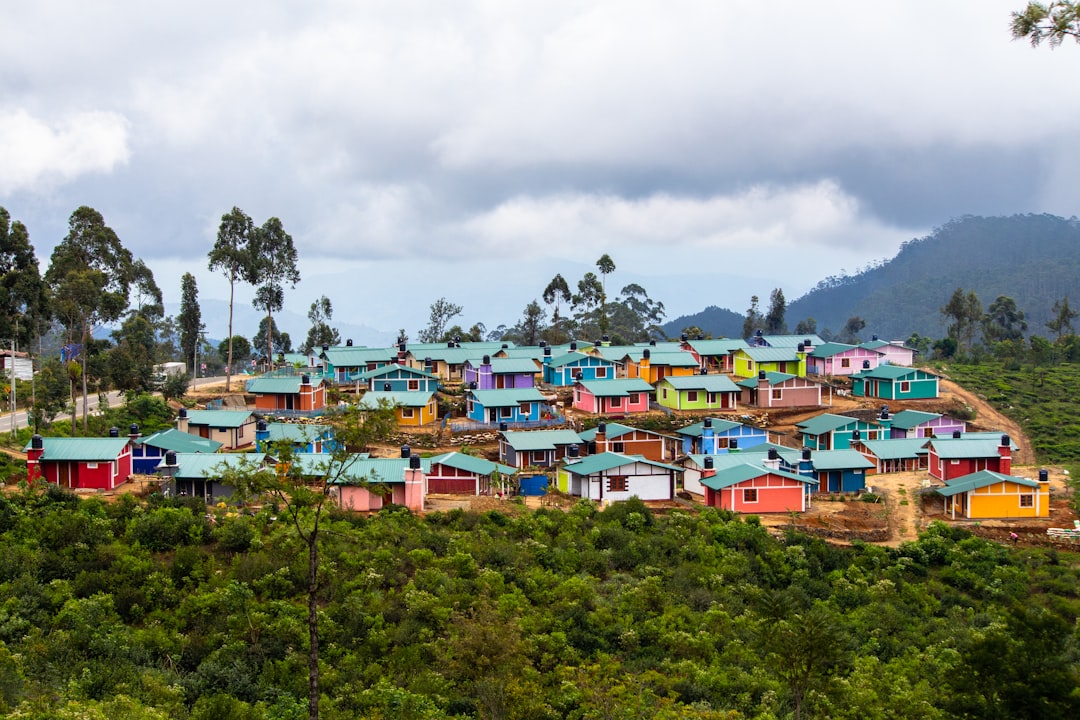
pixel 394 368
pixel 907 419
pixel 609 461
pixel 62 449
pixel 202 466
pixel 982 478
pixel 575 357
pixel 672 359
pixel 181 442
pixel 771 379
pixel 831 348
pixel 839 460
pixel 953 449
pixel 720 346
pixel 405 398
pixel 528 440
pixel 616 388
pixel 741 472
pixel 770 354
pixel 294 432
pixel 826 422
pixel 897 448
pixel 894 372
pixel 354 468
pixel 274 385
pixel 506 398
pixel 791 341
pixel 503 366
pixel 707 383
pixel 719 425
pixel 471 463
pixel 220 418
pixel 616 430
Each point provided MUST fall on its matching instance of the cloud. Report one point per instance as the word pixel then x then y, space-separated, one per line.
pixel 38 154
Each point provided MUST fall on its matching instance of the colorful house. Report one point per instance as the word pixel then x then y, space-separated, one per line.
pixel 203 475
pixel 836 432
pixel 893 382
pixel 839 359
pixel 612 477
pixel 626 440
pixel 779 390
pixel 568 368
pixel 835 470
pixel 515 405
pixel 748 362
pixel 918 424
pixel 148 452
pixel 892 353
pixel 80 463
pixel 652 367
pixel 732 482
pixel 399 378
pixel 951 458
pixel 536 448
pixel 894 454
pixel 459 474
pixel 289 394
pixel 447 363
pixel 501 373
pixel 307 438
pixel 345 363
pixel 713 436
pixel 413 409
pixel 989 494
pixel 363 483
pixel 698 392
pixel 715 356
pixel 234 429
pixel 808 342
pixel 612 397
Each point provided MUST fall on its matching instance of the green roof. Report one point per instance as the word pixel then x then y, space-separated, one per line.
pixel 570 358
pixel 202 466
pixel 471 463
pixel 181 442
pixel 82 448
pixel 616 388
pixel 616 353
pixel 355 468
pixel 824 423
pixel 609 461
pixel 672 359
pixel 506 366
pixel 615 430
pixel 509 397
pixel 719 426
pixel 953 449
pixel 790 455
pixel 893 372
pixel 771 378
pixel 295 432
pixel 720 346
pixel 907 419
pixel 707 383
pixel 403 398
pixel 897 448
pixel 770 354
pixel 982 478
pixel 220 418
pixel 357 356
pixel 740 472
pixel 391 368
pixel 839 460
pixel 529 440
pixel 473 345
pixel 831 348
pixel 274 385
pixel 791 341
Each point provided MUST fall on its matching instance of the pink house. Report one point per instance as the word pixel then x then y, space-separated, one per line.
pixel 774 389
pixel 363 484
pixel 893 353
pixel 740 484
pixel 612 397
pixel 840 359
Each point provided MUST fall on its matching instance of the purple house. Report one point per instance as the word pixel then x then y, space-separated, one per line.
pixel 918 424
pixel 840 359
pixel 500 373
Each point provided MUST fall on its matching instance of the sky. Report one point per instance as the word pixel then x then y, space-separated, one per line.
pixel 472 150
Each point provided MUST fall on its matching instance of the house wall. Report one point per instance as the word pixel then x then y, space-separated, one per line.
pixel 917 389
pixel 775 494
pixel 681 400
pixel 419 415
pixel 793 393
pixel 643 482
pixel 842 480
pixel 651 447
pixel 835 365
pixel 478 412
pixel 938 427
pixel 455 481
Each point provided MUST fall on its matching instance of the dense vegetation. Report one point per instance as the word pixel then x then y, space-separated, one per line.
pixel 128 610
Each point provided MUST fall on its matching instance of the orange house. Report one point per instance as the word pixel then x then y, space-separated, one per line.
pixel 296 394
pixel 653 367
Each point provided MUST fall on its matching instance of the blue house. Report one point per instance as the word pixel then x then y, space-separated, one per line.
pixel 343 364
pixel 400 378
pixel 835 470
pixel 716 437
pixel 570 367
pixel 303 438
pixel 514 405
pixel 148 452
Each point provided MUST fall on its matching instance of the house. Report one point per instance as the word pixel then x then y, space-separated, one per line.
pixel 893 382
pixel 500 373
pixel 715 356
pixel 652 367
pixel 894 454
pixel 698 392
pixel 447 362
pixel 951 458
pixel 749 484
pixel 363 483
pixel 713 436
pixel 308 438
pixel 148 452
pixel 568 368
pixel 809 342
pixel 611 477
pixel 918 424
pixel 612 397
pixel 627 440
pixel 892 353
pixel 836 432
pixel 234 429
pixel 748 362
pixel 343 364
pixel 399 378
pixel 779 390
pixel 290 394
pixel 81 463
pixel 459 474
pixel 514 405
pixel 839 359
pixel 412 409
pixel 206 476
pixel 989 494
pixel 835 470
pixel 536 448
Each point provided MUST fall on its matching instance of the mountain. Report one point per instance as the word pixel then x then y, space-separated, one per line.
pixel 1034 259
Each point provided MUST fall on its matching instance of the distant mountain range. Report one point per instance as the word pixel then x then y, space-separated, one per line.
pixel 1034 259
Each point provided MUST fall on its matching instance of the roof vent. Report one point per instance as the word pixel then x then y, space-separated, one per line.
pixel 387 387
pixel 1044 475
pixel 114 432
pixel 708 462
pixel 405 451
pixel 261 426
pixel 348 343
pixel 761 375
pixel 414 462
pixel 36 442
pixel 573 346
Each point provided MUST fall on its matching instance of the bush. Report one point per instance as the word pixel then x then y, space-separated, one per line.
pixel 169 528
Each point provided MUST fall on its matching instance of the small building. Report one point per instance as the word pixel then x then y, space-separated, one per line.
pixel 536 448
pixel 399 378
pixel 698 392
pixel 989 494
pixel 501 373
pixel 516 405
pixel 234 429
pixel 779 390
pixel 148 452
pixel 840 359
pixel 626 440
pixel 568 368
pixel 842 471
pixel 459 474
pixel 754 484
pixel 894 352
pixel 81 463
pixel 287 394
pixel 412 409
pixel 918 424
pixel 893 382
pixel 894 454
pixel 207 476
pixel 612 397
pixel 306 438
pixel 345 363
pixel 713 436
pixel 612 477
pixel 836 432
pixel 363 483
pixel 652 366
pixel 951 458
pixel 748 362
pixel 21 362
pixel 715 356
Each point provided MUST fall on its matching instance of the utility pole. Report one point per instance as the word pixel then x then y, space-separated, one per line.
pixel 13 403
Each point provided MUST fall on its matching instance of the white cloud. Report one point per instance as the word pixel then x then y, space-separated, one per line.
pixel 37 153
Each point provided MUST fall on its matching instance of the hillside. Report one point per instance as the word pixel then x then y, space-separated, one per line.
pixel 1034 259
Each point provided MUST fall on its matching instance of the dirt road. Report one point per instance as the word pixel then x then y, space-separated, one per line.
pixel 987 417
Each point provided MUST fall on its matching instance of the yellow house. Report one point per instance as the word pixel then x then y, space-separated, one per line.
pixel 988 494
pixel 748 362
pixel 652 367
pixel 413 408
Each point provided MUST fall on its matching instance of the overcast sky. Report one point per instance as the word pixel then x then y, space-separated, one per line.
pixel 473 149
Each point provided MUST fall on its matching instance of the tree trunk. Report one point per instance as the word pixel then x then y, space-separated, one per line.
pixel 269 340
pixel 84 353
pixel 313 626
pixel 228 364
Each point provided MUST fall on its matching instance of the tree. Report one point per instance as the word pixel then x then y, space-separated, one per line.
pixel 53 393
pixel 852 328
pixel 131 362
pixel 275 267
pixel 588 298
pixel 23 297
pixel 806 327
pixel 1003 321
pixel 441 313
pixel 754 320
pixel 965 311
pixel 774 318
pixel 1061 323
pixel 280 342
pixel 556 293
pixel 241 348
pixel 233 254
pixel 1052 22
pixel 190 320
pixel 637 317
pixel 320 332
pixel 89 274
pixel 303 491
pixel 606 266
pixel 528 329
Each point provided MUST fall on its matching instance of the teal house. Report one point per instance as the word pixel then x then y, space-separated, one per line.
pixel 835 432
pixel 895 382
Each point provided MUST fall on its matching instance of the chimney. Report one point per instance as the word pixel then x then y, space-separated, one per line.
pixel 133 431
pixel 601 437
pixel 773 460
pixel 885 419
pixel 405 451
pixel 709 467
pixel 305 379
pixel 956 434
pixel 873 338
pixel 262 434
pixel 652 343
pixel 348 343
pixel 684 337
pixel 801 348
pixel 415 484
pixel 605 341
pixel 114 432
pixel 1044 475
pixel 856 436
pixel 33 457
pixel 1005 453
pixel 182 420
pixel 547 355
pixel 708 437
pixel 486 360
pixel 806 464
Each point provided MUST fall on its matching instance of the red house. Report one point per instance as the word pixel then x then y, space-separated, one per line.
pixel 733 482
pixel 459 474
pixel 612 397
pixel 950 458
pixel 296 394
pixel 80 463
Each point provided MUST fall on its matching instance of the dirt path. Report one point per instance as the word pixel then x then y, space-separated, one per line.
pixel 901 494
pixel 986 416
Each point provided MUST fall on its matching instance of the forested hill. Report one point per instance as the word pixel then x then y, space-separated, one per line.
pixel 1035 259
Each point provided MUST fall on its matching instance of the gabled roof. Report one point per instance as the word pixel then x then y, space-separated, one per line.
pixel 80 449
pixel 707 383
pixel 741 472
pixel 506 398
pixel 274 385
pixel 982 478
pixel 616 353
pixel 791 341
pixel 952 449
pixel 719 425
pixel 471 463
pixel 892 372
pixel 203 466
pixel 403 398
pixel 616 388
pixel 529 440
pixel 355 468
pixel 394 368
pixel 680 358
pixel 220 418
pixel 791 456
pixel 826 422
pixel 515 366
pixel 482 345
pixel 720 346
pixel 181 442
pixel 450 356
pixel 611 460
pixel 771 378
pixel 770 354
pixel 908 419
pixel 357 356
pixel 897 448
pixel 832 348
pixel 294 432
pixel 839 460
pixel 614 431
pixel 571 358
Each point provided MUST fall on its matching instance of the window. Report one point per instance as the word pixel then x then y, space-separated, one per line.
pixel 539 457
pixel 91 466
pixel 407 412
pixel 777 393
pixel 664 393
pixel 618 447
pixel 616 402
pixel 525 409
pixel 414 384
pixel 954 462
pixel 635 398
pixel 601 372
pixel 506 412
pixel 749 495
pixel 618 483
pixel 691 396
pixel 905 386
pixel 710 398
pixel 1027 501
pixel 845 362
